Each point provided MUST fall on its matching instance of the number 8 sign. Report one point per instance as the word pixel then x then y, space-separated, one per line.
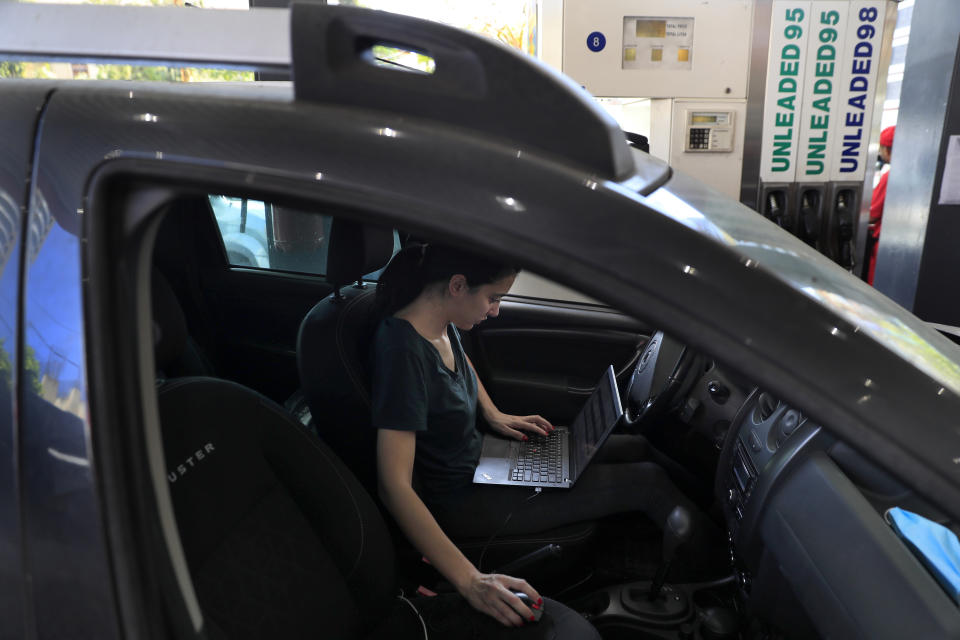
pixel 596 41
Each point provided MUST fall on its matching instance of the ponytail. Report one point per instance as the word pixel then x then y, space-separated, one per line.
pixel 419 266
pixel 400 282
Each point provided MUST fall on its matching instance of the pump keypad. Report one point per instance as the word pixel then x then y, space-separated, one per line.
pixel 699 138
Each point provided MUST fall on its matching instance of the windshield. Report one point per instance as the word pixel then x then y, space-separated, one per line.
pixel 714 214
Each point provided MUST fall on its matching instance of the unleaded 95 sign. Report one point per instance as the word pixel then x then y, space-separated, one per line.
pixel 783 104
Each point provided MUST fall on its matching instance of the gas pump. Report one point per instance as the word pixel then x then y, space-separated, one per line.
pixel 676 71
pixel 686 73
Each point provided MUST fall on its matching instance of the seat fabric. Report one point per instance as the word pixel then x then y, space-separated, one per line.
pixel 177 354
pixel 333 362
pixel 280 538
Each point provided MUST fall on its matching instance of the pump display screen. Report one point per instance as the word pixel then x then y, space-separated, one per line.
pixel 651 28
pixel 701 119
pixel 654 42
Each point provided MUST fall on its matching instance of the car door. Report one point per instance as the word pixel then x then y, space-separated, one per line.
pixel 19 366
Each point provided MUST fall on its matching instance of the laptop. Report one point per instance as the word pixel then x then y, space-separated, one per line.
pixel 558 459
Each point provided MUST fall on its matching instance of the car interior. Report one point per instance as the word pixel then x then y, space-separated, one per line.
pixel 261 372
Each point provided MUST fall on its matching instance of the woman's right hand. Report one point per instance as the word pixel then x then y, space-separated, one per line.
pixel 491 594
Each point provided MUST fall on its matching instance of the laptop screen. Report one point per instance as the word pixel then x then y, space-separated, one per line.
pixel 596 419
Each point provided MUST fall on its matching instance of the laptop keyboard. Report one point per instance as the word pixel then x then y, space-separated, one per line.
pixel 539 460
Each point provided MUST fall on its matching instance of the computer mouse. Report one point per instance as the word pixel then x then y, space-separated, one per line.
pixel 527 600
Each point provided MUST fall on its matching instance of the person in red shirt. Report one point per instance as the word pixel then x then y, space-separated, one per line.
pixel 877 201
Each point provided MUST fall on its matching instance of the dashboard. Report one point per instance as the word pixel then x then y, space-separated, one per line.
pixel 804 514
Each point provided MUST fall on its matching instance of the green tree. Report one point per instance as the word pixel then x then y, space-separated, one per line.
pixel 128 72
pixel 11 69
pixel 31 367
pixel 166 74
pixel 6 369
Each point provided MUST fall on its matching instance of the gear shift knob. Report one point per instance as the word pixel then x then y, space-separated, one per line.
pixel 676 530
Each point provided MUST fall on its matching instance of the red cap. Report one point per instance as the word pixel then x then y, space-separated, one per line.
pixel 886 137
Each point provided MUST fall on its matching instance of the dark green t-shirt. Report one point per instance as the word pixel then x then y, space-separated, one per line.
pixel 414 391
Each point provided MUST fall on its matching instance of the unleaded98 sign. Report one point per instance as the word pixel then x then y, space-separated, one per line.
pixel 857 81
pixel 783 105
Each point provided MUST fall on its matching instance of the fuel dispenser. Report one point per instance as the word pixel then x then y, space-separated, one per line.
pixel 686 73
pixel 776 204
pixel 822 70
pixel 843 206
pixel 676 71
pixel 809 224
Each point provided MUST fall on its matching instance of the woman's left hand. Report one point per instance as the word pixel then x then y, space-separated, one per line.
pixel 514 426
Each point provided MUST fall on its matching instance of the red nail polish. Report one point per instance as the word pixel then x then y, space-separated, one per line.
pixel 525 438
pixel 532 619
pixel 535 606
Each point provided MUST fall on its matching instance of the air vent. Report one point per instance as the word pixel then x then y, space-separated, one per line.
pixel 766 405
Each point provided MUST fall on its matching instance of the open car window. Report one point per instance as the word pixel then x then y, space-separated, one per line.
pixel 262 235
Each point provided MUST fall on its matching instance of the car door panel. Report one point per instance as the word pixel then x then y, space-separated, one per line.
pixel 546 357
pixel 258 316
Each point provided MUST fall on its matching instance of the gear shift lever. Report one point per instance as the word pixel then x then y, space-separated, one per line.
pixel 655 604
pixel 676 531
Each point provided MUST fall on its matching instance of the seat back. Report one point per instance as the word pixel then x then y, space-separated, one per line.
pixel 177 354
pixel 332 346
pixel 280 538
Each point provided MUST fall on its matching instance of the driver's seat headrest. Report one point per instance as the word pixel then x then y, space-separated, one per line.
pixel 356 249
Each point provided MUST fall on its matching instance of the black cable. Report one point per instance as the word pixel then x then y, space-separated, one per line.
pixel 386 61
pixel 416 611
pixel 536 491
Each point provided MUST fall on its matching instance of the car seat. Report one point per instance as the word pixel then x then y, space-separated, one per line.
pixel 332 357
pixel 332 346
pixel 280 538
pixel 173 345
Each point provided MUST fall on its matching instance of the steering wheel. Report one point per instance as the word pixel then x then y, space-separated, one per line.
pixel 662 368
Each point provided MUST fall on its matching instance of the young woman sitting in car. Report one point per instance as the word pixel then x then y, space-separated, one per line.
pixel 426 396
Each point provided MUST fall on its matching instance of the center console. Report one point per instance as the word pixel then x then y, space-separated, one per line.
pixel 700 611
pixel 764 436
